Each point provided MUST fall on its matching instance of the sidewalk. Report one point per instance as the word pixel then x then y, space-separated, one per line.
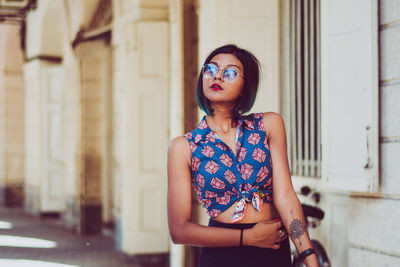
pixel 30 241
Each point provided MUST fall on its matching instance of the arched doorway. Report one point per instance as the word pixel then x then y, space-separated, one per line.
pixel 96 184
pixel 44 75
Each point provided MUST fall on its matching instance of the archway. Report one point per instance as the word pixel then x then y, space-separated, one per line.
pixel 44 77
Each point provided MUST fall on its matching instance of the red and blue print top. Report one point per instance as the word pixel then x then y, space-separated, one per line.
pixel 220 178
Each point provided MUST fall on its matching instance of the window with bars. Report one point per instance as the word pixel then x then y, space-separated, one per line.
pixel 305 90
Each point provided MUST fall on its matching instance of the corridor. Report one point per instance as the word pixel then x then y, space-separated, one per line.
pixel 26 240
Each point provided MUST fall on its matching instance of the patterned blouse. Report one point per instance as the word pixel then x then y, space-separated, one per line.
pixel 220 178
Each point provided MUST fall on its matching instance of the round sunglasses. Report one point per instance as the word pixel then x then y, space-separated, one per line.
pixel 229 75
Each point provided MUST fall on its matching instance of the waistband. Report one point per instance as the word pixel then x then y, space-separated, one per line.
pixel 230 225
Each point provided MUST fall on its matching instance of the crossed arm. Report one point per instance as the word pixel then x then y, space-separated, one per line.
pixel 184 231
pixel 284 196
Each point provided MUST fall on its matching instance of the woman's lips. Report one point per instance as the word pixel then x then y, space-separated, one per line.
pixel 216 87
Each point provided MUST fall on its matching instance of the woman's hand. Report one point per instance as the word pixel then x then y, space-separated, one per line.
pixel 265 234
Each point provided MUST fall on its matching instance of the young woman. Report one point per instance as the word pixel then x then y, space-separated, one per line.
pixel 228 161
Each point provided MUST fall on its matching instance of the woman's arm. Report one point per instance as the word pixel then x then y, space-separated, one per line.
pixel 183 230
pixel 284 196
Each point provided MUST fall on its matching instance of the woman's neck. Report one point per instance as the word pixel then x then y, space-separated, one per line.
pixel 221 121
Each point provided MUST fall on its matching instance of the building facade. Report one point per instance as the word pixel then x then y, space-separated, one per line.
pixel 92 91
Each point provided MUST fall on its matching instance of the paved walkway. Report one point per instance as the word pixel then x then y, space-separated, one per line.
pixel 30 241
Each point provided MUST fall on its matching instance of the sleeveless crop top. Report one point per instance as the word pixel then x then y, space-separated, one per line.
pixel 220 178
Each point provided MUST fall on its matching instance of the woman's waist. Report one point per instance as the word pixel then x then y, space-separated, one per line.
pixel 252 216
pixel 215 223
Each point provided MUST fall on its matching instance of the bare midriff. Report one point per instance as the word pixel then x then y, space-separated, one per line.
pixel 252 215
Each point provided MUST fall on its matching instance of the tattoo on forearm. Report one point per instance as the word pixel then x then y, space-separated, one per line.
pixel 297 228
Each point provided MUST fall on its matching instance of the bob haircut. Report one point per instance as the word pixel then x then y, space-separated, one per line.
pixel 251 75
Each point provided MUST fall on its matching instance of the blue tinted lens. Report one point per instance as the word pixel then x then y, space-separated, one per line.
pixel 210 70
pixel 230 75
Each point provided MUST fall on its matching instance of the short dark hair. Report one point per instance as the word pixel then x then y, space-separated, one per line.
pixel 251 75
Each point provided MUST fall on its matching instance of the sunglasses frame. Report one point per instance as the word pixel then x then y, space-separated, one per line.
pixel 223 69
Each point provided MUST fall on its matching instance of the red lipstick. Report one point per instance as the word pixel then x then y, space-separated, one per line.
pixel 216 87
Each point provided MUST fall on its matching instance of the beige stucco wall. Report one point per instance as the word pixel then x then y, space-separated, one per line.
pixel 11 112
pixel 72 114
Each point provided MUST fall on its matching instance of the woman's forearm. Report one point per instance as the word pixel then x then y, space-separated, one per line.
pixel 264 234
pixel 190 233
pixel 292 216
pixel 291 213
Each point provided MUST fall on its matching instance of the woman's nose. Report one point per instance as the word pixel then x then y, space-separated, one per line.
pixel 219 75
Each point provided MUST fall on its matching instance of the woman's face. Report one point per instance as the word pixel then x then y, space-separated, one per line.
pixel 216 89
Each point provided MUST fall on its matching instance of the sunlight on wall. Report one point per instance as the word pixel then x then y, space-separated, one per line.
pixel 32 263
pixel 26 242
pixel 5 225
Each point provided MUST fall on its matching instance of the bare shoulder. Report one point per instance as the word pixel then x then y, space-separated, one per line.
pixel 179 160
pixel 179 148
pixel 273 122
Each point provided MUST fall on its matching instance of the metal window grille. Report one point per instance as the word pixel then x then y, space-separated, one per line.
pixel 305 90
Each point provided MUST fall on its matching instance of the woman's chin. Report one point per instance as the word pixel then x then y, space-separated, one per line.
pixel 220 97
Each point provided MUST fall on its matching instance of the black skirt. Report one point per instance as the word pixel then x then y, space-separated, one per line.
pixel 246 255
